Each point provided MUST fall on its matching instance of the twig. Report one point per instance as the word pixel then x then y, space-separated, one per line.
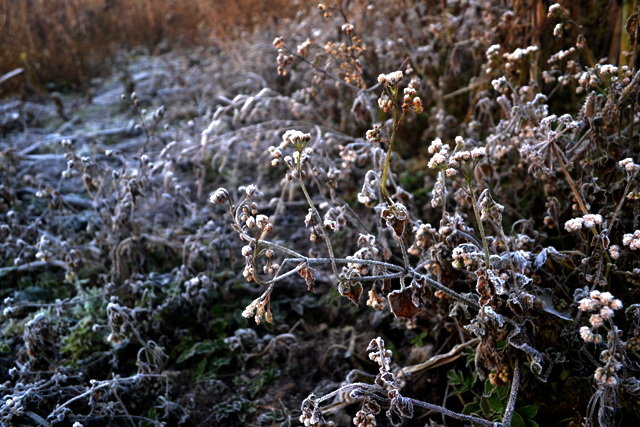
pixel 374 391
pixel 438 360
pixel 11 74
pixel 513 394
pixel 456 415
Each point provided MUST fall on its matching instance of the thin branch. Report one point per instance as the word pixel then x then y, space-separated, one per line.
pixel 438 360
pixel 513 395
pixel 452 414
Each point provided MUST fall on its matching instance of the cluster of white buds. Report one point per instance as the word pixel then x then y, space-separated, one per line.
pixel 607 70
pixel 259 309
pixel 296 138
pixel 602 306
pixel 614 251
pixel 44 249
pixel 493 53
pixel 587 335
pixel 303 48
pixel 440 153
pixel 284 60
pixel 411 100
pixel 311 221
pixel 520 55
pixel 438 193
pixel 390 79
pixel 375 300
pixel 278 42
pixel 347 28
pixel 301 153
pixel 219 197
pixel 385 103
pixel 632 240
pixel 607 375
pixel 425 236
pixel 248 273
pixel 373 134
pixel 500 85
pixel 601 74
pixel 255 222
pixel 364 420
pixel 452 162
pixel 629 165
pixel 556 11
pixel 468 256
pixel 586 221
pixel 366 416
pixel 557 30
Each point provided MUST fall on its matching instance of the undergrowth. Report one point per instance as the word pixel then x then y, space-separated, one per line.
pixel 389 213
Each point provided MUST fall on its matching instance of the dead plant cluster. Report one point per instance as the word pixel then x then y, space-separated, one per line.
pixel 464 173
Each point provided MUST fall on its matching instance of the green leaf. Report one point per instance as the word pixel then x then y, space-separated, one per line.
pixel 218 363
pixel 502 392
pixel 204 347
pixel 496 404
pixel 485 406
pixel 459 382
pixel 200 369
pixel 472 408
pixel 529 411
pixel 418 340
pixel 489 389
pixel 517 420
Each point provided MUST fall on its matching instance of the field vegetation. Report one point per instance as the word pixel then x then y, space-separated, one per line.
pixel 347 213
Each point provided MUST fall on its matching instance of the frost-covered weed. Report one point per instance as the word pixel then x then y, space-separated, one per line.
pixel 478 189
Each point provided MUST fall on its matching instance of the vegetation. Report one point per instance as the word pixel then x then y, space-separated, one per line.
pixel 359 213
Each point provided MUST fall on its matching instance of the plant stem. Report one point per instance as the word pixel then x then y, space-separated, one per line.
pixel 572 184
pixel 387 159
pixel 619 207
pixel 319 219
pixel 483 236
pixel 513 394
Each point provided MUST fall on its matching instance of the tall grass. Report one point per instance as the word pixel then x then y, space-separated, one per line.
pixel 66 41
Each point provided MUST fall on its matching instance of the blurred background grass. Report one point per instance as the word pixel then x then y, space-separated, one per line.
pixel 62 43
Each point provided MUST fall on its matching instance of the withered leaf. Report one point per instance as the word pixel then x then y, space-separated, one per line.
pixel 308 274
pixel 351 290
pixel 401 303
pixel 399 227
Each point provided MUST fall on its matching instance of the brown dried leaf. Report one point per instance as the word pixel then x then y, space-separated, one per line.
pixel 308 274
pixel 351 290
pixel 401 303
